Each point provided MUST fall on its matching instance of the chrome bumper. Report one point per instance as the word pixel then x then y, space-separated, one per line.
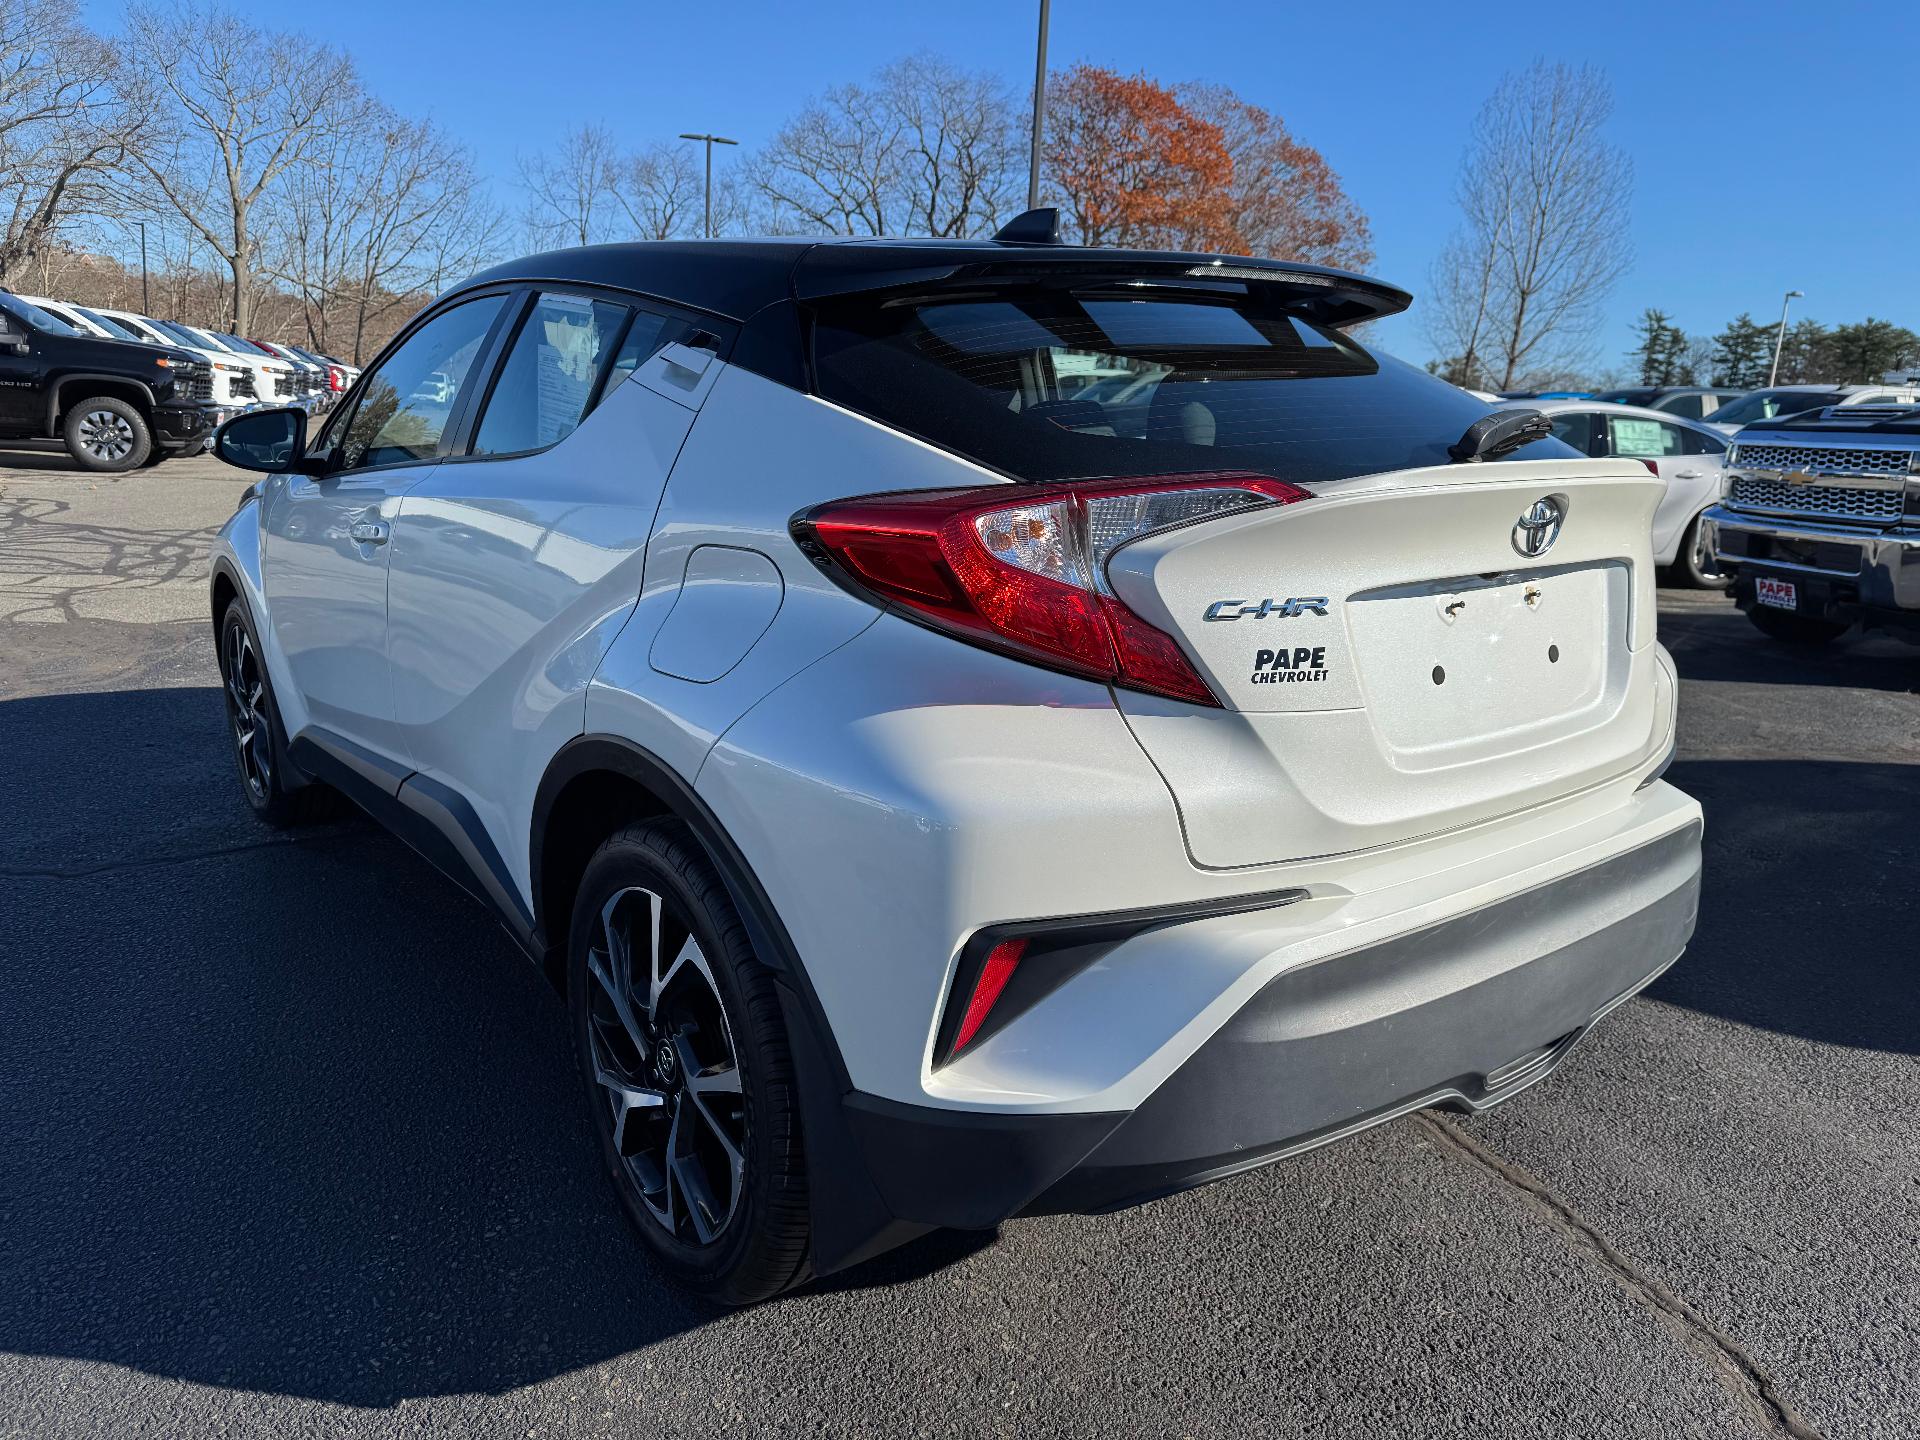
pixel 1883 563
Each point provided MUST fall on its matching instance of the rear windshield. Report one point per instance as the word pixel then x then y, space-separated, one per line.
pixel 1044 382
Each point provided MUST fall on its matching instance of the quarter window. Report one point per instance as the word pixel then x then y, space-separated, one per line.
pixel 406 402
pixel 646 337
pixel 547 383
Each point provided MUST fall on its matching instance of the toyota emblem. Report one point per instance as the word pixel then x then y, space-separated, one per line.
pixel 1537 529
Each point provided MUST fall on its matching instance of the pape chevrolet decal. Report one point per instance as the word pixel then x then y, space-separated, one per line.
pixel 1303 663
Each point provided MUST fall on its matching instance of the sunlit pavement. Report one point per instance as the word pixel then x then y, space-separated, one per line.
pixel 292 1144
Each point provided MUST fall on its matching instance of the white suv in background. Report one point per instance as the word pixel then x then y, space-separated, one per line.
pixel 949 783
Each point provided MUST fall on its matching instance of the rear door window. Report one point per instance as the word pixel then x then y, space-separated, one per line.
pixel 550 374
pixel 1063 380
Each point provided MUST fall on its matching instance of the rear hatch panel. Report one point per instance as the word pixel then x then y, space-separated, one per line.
pixel 1392 665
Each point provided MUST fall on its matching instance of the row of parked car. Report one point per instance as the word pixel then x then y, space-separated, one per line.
pixel 123 389
pixel 1683 434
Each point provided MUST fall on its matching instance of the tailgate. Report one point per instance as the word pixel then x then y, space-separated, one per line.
pixel 1393 661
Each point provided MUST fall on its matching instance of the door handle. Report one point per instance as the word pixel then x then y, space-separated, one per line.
pixel 1687 474
pixel 369 532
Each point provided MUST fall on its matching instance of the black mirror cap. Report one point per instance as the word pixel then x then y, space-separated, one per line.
pixel 274 441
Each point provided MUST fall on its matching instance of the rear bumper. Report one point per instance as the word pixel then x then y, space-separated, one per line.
pixel 1467 1012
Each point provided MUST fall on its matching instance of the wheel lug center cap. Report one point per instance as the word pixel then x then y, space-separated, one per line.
pixel 666 1064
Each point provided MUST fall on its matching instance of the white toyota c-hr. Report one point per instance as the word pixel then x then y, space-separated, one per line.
pixel 974 729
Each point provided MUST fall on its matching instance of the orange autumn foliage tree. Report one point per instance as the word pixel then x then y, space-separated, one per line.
pixel 1134 166
pixel 1136 163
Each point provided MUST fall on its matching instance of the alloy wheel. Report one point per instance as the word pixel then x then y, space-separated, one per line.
pixel 105 435
pixel 247 709
pixel 664 1059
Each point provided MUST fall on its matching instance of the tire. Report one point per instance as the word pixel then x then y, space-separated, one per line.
pixel 257 736
pixel 106 435
pixel 1795 629
pixel 157 456
pixel 693 1005
pixel 1696 567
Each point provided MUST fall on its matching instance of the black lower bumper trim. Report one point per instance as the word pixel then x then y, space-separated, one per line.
pixel 1468 1012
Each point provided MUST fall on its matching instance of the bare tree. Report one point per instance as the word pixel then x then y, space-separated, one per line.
pixel 928 149
pixel 571 191
pixel 391 208
pixel 243 108
pixel 660 192
pixel 66 131
pixel 1543 195
pixel 959 162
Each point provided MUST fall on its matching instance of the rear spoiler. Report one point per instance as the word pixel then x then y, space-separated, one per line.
pixel 1331 297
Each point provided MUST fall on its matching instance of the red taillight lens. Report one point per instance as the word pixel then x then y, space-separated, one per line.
pixel 1650 465
pixel 1001 962
pixel 1022 569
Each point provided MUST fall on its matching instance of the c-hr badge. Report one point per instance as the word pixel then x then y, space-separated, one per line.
pixel 1537 529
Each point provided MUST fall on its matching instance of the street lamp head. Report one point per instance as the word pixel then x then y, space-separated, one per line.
pixel 1796 295
pixel 710 139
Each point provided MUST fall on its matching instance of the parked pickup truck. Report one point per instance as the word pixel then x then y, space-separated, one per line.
pixel 1819 522
pixel 117 405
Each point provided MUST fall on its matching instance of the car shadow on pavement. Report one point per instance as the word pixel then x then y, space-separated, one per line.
pixel 1810 900
pixel 291 1115
pixel 281 1114
pixel 1721 644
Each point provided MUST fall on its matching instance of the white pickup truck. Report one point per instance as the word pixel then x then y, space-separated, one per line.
pixel 1819 522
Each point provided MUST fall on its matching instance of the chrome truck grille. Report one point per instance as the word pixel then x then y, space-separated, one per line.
pixel 1751 492
pixel 1822 459
pixel 282 385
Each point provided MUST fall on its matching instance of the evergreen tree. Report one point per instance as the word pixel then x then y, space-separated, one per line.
pixel 1861 354
pixel 1661 355
pixel 1742 353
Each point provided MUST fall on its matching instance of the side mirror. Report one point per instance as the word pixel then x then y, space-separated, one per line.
pixel 271 440
pixel 12 338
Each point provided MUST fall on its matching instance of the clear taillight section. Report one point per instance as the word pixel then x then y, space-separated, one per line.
pixel 1023 569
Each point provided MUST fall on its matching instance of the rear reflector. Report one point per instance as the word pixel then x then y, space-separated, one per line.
pixel 1002 960
pixel 1023 569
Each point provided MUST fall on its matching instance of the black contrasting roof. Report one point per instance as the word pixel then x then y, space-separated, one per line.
pixel 735 278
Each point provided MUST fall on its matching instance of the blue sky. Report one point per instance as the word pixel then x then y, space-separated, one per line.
pixel 1775 146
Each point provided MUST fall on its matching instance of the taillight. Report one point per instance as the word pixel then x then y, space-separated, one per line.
pixel 1655 469
pixel 1023 569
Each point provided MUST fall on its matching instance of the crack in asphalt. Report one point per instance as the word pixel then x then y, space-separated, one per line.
pixel 152 862
pixel 1737 1369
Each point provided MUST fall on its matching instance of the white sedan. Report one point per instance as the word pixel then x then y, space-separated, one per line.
pixel 1687 455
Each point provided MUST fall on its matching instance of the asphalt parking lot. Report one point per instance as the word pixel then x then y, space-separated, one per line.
pixel 292 1144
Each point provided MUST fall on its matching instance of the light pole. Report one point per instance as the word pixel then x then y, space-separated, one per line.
pixel 712 140
pixel 146 305
pixel 1039 110
pixel 1780 336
